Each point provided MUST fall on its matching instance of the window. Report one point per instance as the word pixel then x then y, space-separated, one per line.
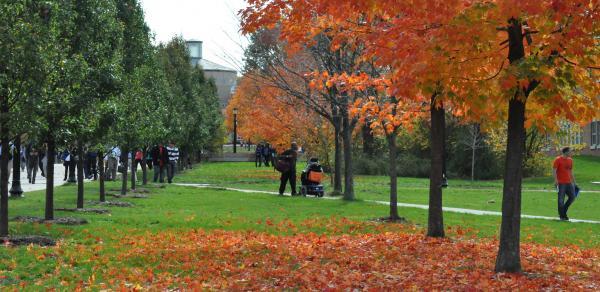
pixel 570 134
pixel 595 132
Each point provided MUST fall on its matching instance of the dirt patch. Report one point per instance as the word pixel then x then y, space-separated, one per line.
pixel 84 210
pixel 61 221
pixel 27 240
pixel 111 204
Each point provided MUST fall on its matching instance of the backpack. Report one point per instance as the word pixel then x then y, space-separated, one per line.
pixel 282 165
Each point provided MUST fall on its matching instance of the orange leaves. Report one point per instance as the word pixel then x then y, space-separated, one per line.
pixel 393 258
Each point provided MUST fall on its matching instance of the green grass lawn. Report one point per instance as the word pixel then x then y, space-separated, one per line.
pixel 189 208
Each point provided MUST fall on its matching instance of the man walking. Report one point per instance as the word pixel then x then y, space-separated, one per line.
pixel 290 156
pixel 565 181
pixel 173 158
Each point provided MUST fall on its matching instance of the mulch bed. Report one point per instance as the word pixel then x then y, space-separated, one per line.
pixel 401 220
pixel 27 240
pixel 84 210
pixel 61 221
pixel 110 203
pixel 130 195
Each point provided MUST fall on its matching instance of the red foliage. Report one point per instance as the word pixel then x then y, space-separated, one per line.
pixel 236 260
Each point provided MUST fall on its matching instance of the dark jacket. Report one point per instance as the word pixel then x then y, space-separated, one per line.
pixel 160 158
pixel 290 156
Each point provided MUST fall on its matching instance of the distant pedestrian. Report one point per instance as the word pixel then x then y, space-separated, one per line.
pixel 91 159
pixel 289 173
pixel 258 155
pixel 160 159
pixel 32 163
pixel 173 158
pixel 564 181
pixel 112 163
pixel 66 158
pixel 266 153
pixel 23 158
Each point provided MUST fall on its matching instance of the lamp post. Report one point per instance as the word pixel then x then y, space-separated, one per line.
pixel 235 112
pixel 16 190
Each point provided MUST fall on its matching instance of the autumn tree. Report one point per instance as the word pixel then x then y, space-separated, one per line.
pixel 22 26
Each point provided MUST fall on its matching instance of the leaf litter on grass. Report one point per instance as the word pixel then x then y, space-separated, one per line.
pixel 346 255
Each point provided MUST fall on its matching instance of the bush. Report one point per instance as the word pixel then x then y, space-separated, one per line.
pixel 407 165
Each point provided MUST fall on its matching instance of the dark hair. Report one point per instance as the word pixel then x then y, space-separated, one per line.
pixel 566 150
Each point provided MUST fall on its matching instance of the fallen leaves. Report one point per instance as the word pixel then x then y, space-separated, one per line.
pixel 347 255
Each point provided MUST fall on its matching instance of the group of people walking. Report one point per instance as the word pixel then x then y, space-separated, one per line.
pixel 264 154
pixel 164 161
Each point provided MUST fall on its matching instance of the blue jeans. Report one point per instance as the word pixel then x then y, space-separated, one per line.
pixel 569 190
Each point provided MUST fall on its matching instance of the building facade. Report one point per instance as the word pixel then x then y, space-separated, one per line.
pixel 586 139
pixel 225 78
pixel 591 139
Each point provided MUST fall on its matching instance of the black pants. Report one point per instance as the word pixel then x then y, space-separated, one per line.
pixel 291 176
pixel 66 165
pixel 569 190
pixel 258 160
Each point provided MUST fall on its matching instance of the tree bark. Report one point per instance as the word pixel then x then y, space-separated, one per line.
pixel 435 226
pixel 101 176
pixel 4 171
pixel 509 257
pixel 133 172
pixel 348 171
pixel 49 213
pixel 80 174
pixel 393 152
pixel 337 181
pixel 368 140
pixel 473 149
pixel 144 170
pixel 124 174
pixel 16 189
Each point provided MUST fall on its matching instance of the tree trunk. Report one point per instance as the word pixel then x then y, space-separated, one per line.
pixel 509 257
pixel 124 174
pixel 348 171
pixel 144 170
pixel 49 214
pixel 133 172
pixel 4 171
pixel 16 189
pixel 393 152
pixel 337 181
pixel 473 160
pixel 79 175
pixel 368 140
pixel 435 226
pixel 101 176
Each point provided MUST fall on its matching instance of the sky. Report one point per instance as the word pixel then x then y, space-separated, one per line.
pixel 214 22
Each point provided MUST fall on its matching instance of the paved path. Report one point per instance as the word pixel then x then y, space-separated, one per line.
pixel 417 206
pixel 40 181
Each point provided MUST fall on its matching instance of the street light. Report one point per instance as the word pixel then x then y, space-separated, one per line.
pixel 235 112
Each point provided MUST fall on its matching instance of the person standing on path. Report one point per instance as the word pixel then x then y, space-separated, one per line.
pixel 173 158
pixel 564 180
pixel 159 159
pixel 290 156
pixel 32 161
pixel 258 155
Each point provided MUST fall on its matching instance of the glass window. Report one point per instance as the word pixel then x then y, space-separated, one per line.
pixel 595 131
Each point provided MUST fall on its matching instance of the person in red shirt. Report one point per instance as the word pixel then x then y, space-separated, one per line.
pixel 564 181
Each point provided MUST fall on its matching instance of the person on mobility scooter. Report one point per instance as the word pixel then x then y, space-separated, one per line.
pixel 311 178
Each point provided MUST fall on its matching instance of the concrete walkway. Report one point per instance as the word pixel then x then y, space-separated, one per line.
pixel 417 206
pixel 40 181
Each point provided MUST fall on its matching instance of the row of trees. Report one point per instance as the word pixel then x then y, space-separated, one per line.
pixel 84 73
pixel 385 65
